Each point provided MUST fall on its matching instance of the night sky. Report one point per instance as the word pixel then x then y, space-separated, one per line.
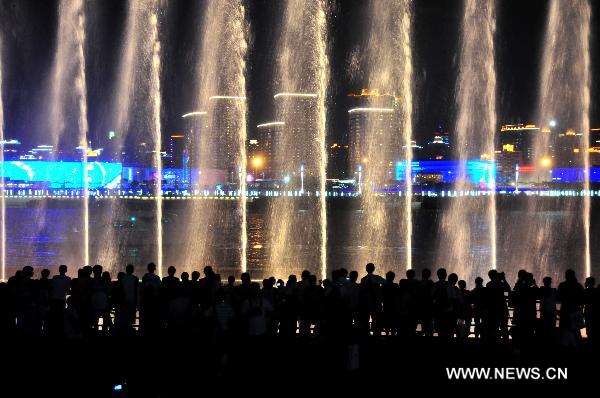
pixel 28 34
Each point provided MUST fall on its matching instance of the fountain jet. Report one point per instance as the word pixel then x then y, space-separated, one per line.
pixel 564 99
pixel 302 80
pixel 2 198
pixel 69 70
pixel 474 139
pixel 218 137
pixel 386 113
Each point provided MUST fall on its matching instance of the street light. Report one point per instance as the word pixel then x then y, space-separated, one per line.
pixel 545 163
pixel 257 163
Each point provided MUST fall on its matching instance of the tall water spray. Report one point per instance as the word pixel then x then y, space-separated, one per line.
pixel 564 105
pixel 473 140
pixel 108 253
pixel 386 111
pixel 2 181
pixel 302 83
pixel 155 95
pixel 218 137
pixel 68 71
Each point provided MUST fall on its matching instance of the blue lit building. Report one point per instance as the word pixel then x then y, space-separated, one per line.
pixel 62 175
pixel 478 172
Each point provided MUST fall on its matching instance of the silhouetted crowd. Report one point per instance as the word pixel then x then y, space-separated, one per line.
pixel 342 307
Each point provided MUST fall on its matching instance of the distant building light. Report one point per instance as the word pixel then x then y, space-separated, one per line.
pixel 306 95
pixel 270 124
pixel 360 110
pixel 198 113
pixel 552 123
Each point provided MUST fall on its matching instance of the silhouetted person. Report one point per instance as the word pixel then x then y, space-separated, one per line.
pixel 425 302
pixel 570 296
pixel 99 300
pixel 496 319
pixel 478 305
pixel 150 302
pixel 548 313
pixel 442 307
pixel 60 288
pixel 130 285
pixel 370 300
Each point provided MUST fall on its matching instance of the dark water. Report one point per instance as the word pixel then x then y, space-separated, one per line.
pixel 546 239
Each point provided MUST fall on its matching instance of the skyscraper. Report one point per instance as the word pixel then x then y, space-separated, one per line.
pixel 520 138
pixel 262 158
pixel 299 114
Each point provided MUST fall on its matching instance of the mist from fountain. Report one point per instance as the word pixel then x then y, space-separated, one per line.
pixel 302 80
pixel 219 138
pixel 68 71
pixel 564 97
pixel 155 96
pixel 473 139
pixel 2 181
pixel 108 252
pixel 388 138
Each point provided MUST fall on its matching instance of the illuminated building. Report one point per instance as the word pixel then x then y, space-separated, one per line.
pixel 11 149
pixel 506 162
pixel 226 120
pixel 373 126
pixel 569 149
pixel 480 173
pixel 300 133
pixel 520 139
pixel 63 175
pixel 338 160
pixel 264 150
pixel 439 148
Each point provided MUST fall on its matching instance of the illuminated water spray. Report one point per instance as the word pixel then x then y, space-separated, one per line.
pixel 387 114
pixel 2 199
pixel 219 137
pixel 474 139
pixel 83 128
pixel 157 137
pixel 301 159
pixel 564 97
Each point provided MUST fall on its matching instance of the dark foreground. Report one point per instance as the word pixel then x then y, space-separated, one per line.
pixel 176 367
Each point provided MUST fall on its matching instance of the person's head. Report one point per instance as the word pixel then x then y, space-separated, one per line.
pixel 280 283
pixel 185 276
pixel 353 276
pixel 171 271
pixel 97 271
pixel 410 274
pixel 245 277
pixel 195 275
pixel 120 276
pixel 590 282
pixel 390 276
pixel 88 271
pixel 343 273
pixel 292 279
pixel 370 268
pixel 305 275
pixel 151 268
pixel 570 276
pixel 522 275
pixel 106 276
pixel 27 271
pixel 441 274
pixel 129 269
pixel 425 274
pixel 231 280
pixel 45 273
pixel 453 278
pixel 62 269
pixel 208 271
pixel 479 281
pixel 493 274
pixel 547 281
pixel 462 284
pixel 335 274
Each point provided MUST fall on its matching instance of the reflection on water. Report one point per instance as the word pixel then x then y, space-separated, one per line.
pixel 48 234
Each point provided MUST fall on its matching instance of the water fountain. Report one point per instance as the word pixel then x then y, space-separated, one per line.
pixel 474 139
pixel 302 80
pixel 2 181
pixel 563 110
pixel 387 116
pixel 69 70
pixel 219 140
